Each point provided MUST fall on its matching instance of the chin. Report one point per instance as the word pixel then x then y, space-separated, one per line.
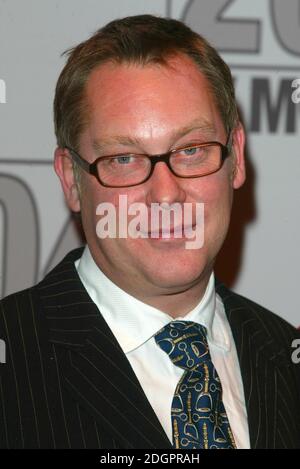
pixel 177 273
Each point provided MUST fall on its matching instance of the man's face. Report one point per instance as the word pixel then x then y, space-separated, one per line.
pixel 154 109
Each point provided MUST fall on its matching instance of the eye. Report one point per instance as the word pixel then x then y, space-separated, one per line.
pixel 125 159
pixel 191 151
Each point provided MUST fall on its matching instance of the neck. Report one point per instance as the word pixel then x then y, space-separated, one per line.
pixel 178 304
pixel 174 301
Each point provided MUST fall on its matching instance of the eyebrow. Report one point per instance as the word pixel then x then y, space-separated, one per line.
pixel 205 127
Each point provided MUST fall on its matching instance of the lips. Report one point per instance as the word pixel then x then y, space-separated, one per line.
pixel 180 231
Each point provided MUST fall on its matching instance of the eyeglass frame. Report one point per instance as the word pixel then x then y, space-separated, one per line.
pixel 91 168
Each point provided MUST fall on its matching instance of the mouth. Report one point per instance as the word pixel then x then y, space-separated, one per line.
pixel 173 233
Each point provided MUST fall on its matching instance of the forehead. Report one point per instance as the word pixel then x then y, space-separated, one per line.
pixel 129 98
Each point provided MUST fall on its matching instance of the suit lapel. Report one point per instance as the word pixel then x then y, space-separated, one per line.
pixel 97 373
pixel 95 370
pixel 260 359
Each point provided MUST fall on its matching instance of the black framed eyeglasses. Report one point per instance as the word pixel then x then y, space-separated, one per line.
pixel 130 169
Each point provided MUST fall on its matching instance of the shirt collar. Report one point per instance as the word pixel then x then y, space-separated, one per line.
pixel 125 314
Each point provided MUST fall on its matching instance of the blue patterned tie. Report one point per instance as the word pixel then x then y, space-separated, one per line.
pixel 199 419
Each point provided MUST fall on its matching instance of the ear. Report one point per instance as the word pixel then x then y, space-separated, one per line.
pixel 238 148
pixel 63 166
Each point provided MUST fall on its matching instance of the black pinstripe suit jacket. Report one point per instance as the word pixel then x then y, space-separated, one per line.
pixel 66 382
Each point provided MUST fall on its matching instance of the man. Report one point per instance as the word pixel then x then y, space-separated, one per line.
pixel 131 343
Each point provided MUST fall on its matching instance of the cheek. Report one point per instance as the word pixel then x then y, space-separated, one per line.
pixel 92 194
pixel 217 216
pixel 216 193
pixel 214 190
pixel 219 198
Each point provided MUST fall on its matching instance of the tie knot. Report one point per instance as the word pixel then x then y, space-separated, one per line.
pixel 185 342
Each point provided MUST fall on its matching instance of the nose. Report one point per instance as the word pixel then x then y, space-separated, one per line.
pixel 164 186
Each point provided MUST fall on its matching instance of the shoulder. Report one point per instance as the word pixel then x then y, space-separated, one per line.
pixel 244 312
pixel 17 309
pixel 22 311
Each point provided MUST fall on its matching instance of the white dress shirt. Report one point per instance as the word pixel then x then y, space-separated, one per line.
pixel 134 325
